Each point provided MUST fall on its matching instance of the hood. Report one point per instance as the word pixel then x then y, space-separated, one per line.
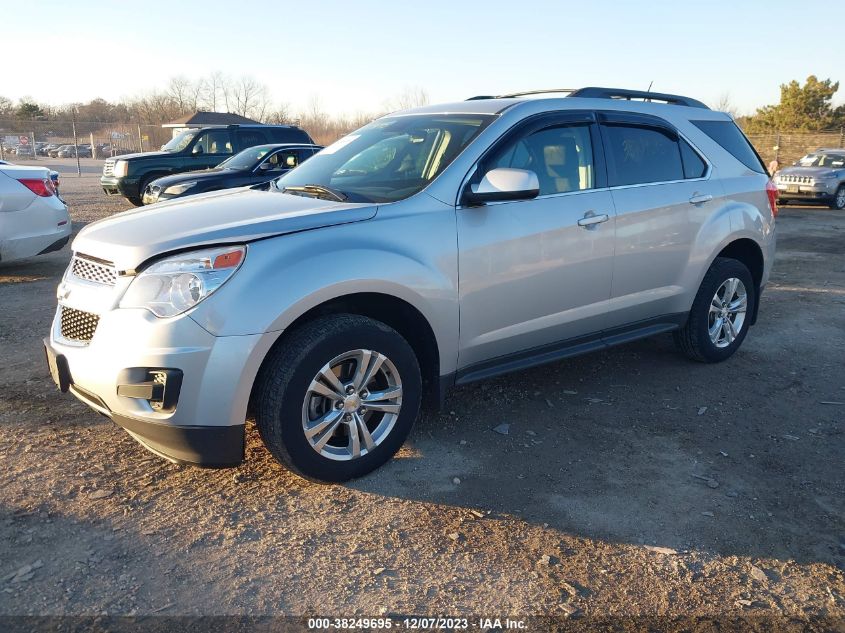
pixel 797 170
pixel 223 217
pixel 200 175
pixel 141 155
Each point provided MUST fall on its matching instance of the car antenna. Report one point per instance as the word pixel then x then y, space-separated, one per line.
pixel 650 84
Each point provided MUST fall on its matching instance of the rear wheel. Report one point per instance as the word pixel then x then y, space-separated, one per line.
pixel 337 398
pixel 720 315
pixel 838 202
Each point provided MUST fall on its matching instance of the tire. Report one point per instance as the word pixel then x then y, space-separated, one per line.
pixel 695 339
pixel 285 402
pixel 838 202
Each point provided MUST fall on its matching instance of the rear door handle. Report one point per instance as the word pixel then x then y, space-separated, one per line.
pixel 700 198
pixel 591 219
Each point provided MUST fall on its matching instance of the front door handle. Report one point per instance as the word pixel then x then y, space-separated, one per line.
pixel 591 219
pixel 700 198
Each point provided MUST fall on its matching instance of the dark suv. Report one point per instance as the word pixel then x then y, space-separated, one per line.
pixel 189 151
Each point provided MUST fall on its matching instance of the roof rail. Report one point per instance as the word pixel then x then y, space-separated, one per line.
pixel 535 92
pixel 621 93
pixel 521 94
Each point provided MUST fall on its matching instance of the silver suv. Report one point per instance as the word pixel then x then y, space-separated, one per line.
pixel 819 177
pixel 432 247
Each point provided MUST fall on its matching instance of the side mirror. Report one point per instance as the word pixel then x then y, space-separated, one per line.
pixel 265 167
pixel 501 184
pixel 197 150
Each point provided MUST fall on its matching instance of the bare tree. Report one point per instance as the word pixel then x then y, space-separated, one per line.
pixel 249 98
pixel 724 104
pixel 409 97
pixel 183 93
pixel 280 116
pixel 212 89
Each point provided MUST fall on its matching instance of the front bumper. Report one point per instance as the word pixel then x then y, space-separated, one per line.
pixel 821 192
pixel 204 425
pixel 126 187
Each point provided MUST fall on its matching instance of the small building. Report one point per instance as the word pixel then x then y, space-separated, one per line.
pixel 207 119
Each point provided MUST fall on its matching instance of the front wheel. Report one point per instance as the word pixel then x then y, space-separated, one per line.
pixel 338 397
pixel 838 202
pixel 720 314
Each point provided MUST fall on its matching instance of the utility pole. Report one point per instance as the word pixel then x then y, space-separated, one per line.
pixel 75 141
pixel 34 151
pixel 140 138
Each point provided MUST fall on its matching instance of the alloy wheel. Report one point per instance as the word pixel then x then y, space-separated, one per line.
pixel 727 312
pixel 352 405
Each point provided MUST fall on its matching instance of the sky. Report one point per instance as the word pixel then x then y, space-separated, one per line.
pixel 355 56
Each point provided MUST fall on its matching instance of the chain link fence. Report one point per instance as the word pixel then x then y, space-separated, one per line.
pixel 33 139
pixel 787 147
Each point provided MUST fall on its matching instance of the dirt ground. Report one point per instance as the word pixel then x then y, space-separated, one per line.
pixel 631 483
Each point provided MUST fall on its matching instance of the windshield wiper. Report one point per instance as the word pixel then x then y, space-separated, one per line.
pixel 317 191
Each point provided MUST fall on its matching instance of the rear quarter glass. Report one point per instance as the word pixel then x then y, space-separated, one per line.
pixel 732 140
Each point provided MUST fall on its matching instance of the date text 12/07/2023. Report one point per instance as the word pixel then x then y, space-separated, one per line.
pixel 417 623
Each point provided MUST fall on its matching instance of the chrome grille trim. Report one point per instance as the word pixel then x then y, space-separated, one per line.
pixel 77 325
pixel 804 180
pixel 108 167
pixel 94 271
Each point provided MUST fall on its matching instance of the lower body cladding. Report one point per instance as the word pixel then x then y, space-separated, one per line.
pixel 184 402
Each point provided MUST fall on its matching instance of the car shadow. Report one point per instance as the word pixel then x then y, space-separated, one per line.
pixel 638 445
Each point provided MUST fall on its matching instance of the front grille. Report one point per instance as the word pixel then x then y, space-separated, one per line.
pixel 804 180
pixel 108 167
pixel 78 325
pixel 90 270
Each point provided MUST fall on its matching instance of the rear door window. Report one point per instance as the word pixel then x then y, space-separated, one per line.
pixel 213 142
pixel 731 138
pixel 638 154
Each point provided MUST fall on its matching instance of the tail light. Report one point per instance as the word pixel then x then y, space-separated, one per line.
pixel 39 186
pixel 772 193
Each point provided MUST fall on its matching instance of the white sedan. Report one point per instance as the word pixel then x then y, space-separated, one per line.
pixel 33 219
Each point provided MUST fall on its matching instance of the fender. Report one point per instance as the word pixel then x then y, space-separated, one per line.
pixel 300 271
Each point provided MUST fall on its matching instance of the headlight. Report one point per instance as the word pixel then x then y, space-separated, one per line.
pixel 177 190
pixel 120 169
pixel 823 177
pixel 178 283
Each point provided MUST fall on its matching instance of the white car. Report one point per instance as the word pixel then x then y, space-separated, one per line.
pixel 33 219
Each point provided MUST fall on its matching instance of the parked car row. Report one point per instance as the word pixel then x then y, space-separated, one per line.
pixel 191 150
pixel 65 150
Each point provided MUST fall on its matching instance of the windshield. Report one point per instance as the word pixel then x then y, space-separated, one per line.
pixel 823 160
pixel 180 142
pixel 246 159
pixel 389 159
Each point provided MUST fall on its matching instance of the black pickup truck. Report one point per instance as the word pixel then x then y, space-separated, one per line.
pixel 191 150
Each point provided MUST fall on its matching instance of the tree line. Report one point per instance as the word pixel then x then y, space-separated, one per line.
pixel 242 95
